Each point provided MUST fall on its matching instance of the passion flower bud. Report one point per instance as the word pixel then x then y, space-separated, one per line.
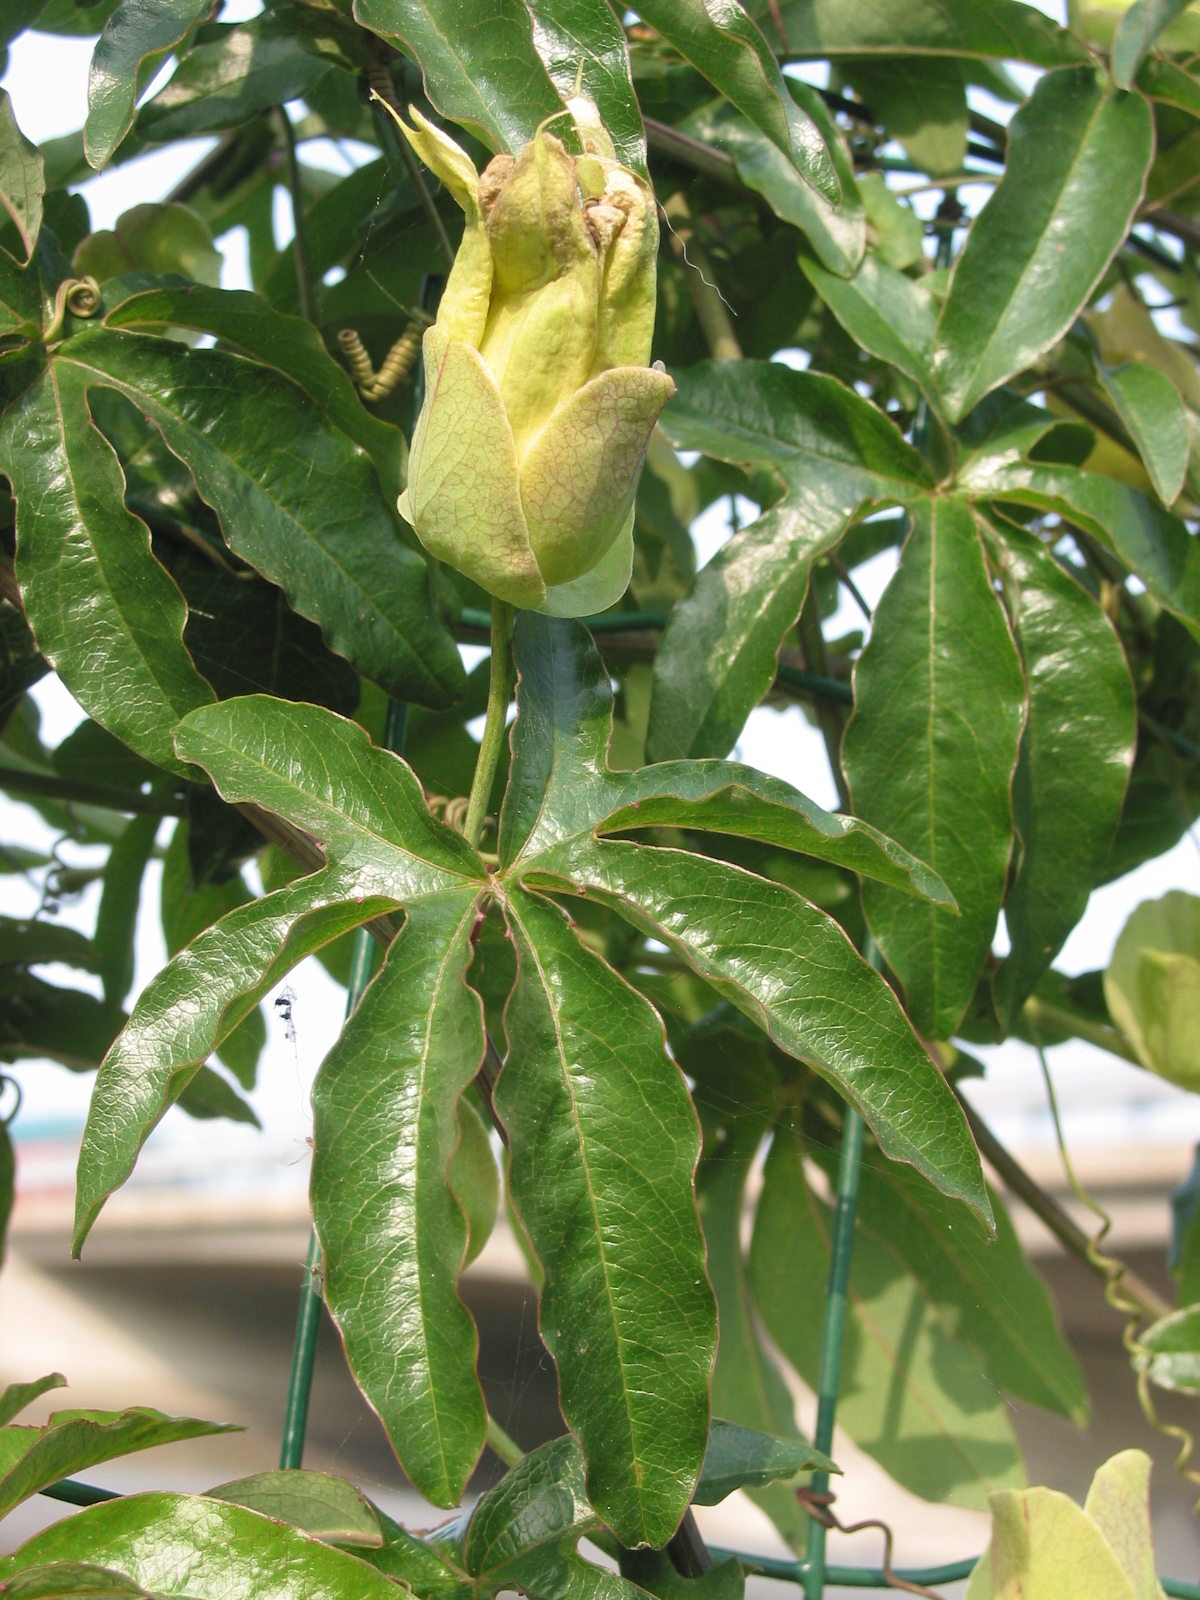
pixel 539 404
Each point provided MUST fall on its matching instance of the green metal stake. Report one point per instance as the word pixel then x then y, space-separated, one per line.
pixel 308 1320
pixel 831 1340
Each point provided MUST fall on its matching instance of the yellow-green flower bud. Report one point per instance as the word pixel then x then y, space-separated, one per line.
pixel 539 404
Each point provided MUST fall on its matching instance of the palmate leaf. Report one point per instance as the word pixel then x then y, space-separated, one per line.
pixel 105 614
pixel 1078 155
pixel 480 69
pixel 173 1544
pixel 294 496
pixel 726 46
pixel 840 457
pixel 996 29
pixel 136 40
pixel 887 313
pixel 603 1145
pixel 1076 755
pixel 797 974
pixel 72 1441
pixel 929 756
pixel 571 33
pixel 394 1235
pixel 1152 543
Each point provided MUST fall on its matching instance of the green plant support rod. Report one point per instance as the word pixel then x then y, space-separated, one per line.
pixel 830 1371
pixel 308 1319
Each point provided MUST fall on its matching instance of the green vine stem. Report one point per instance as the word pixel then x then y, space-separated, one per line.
pixel 499 690
pixel 308 307
pixel 506 1447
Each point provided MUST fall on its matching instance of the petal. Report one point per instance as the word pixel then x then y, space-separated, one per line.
pixel 598 589
pixel 580 475
pixel 463 309
pixel 463 490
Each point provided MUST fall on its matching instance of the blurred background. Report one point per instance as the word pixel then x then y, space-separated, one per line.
pixel 187 1294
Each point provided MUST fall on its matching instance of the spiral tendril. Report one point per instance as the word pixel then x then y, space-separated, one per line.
pixel 79 296
pixel 397 364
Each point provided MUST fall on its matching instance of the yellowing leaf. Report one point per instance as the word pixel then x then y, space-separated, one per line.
pixel 1153 986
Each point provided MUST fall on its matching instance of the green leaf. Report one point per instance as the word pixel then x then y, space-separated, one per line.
pixel 21 309
pixel 923 104
pixel 1136 33
pixel 75 1579
pixel 1164 80
pixel 1001 29
pixel 474 1178
pixel 136 40
pixel 162 1541
pixel 836 232
pixel 72 1441
pixel 523 1533
pixel 655 1573
pixel 1169 1351
pixel 120 898
pixel 364 805
pixel 207 1095
pixel 480 68
pixel 746 1383
pixel 295 348
pixel 8 1185
pixel 65 1025
pixel 393 1232
pixel 929 756
pixel 912 1395
pixel 106 616
pixel 162 238
pixel 230 74
pixel 1150 407
pixel 726 46
pixel 1150 541
pixel 719 650
pixel 567 33
pixel 1076 756
pixel 799 977
pixel 431 1567
pixel 563 792
pixel 22 177
pixel 984 1289
pixel 329 1508
pixel 603 1142
pixel 21 663
pixel 899 232
pixel 1078 154
pixel 33 940
pixel 740 1458
pixel 1152 985
pixel 187 909
pixel 823 438
pixel 19 1395
pixel 295 499
pixel 890 315
pixel 792 970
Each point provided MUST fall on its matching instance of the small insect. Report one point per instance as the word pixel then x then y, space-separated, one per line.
pixel 283 1007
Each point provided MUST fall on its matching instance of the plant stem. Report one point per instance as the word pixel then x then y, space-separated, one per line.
pixel 49 786
pixel 1061 1224
pixel 1039 1014
pixel 499 689
pixel 829 1374
pixel 506 1448
pixel 308 307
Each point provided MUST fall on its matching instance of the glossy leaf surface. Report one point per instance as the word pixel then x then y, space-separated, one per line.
pixel 1149 405
pixel 72 1441
pixel 886 313
pixel 480 69
pixel 136 40
pixel 327 1507
pixel 567 33
pixel 366 807
pixel 998 28
pixel 739 1457
pixel 725 45
pixel 174 1544
pixel 22 177
pixel 295 499
pixel 393 1232
pixel 929 756
pixel 106 616
pixel 1136 33
pixel 19 1395
pixel 603 1143
pixel 1078 154
pixel 1076 756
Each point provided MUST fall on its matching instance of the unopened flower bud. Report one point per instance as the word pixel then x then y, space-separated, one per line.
pixel 539 404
